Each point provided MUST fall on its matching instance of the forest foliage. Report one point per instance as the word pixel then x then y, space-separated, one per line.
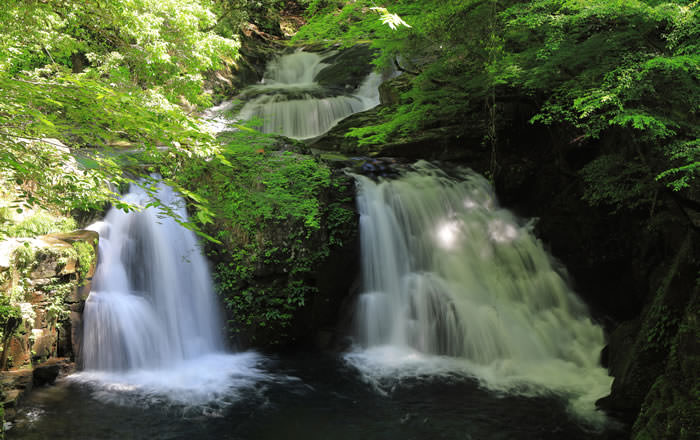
pixel 623 75
pixel 101 77
pixel 116 74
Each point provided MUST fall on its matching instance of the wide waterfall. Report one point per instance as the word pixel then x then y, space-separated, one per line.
pixel 151 326
pixel 453 283
pixel 291 102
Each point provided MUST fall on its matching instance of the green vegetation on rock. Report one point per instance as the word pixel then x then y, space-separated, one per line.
pixel 85 253
pixel 275 223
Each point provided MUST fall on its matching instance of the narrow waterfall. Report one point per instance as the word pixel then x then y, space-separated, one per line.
pixel 290 102
pixel 152 331
pixel 452 283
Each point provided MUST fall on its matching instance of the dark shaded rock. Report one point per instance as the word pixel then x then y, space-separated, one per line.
pixel 347 69
pixel 605 357
pixel 376 168
pixel 76 335
pixel 390 90
pixel 336 141
pixel 647 353
pixel 671 408
pixel 439 143
pixel 255 51
pixel 45 374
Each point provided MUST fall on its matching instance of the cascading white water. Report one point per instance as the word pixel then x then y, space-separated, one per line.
pixel 290 102
pixel 453 282
pixel 151 325
pixel 152 303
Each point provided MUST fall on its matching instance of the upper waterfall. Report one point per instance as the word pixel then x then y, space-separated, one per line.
pixel 290 101
pixel 448 273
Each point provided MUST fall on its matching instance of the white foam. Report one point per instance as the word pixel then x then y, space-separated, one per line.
pixel 205 385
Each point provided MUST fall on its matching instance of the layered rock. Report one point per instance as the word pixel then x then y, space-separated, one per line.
pixel 49 278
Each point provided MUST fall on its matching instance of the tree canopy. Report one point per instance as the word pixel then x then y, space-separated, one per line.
pixel 100 76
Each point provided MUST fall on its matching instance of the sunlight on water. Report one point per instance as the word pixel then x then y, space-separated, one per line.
pixel 456 285
pixel 447 234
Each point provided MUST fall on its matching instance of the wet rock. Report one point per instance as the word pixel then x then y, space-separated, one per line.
pixel 14 385
pixel 377 167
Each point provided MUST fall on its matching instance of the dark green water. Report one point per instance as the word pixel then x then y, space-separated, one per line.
pixel 308 397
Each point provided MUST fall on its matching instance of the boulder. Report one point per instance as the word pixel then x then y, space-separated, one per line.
pixel 45 374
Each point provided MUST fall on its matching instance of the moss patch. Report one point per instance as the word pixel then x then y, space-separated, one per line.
pixel 86 259
pixel 276 223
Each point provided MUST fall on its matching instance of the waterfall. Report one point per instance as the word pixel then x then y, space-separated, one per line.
pixel 152 303
pixel 290 102
pixel 453 282
pixel 152 331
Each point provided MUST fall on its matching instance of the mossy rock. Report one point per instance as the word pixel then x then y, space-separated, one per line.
pixel 281 217
pixel 671 409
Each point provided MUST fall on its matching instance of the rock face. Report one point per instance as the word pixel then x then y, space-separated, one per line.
pixel 49 277
pixel 655 357
pixel 671 408
pixel 347 68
